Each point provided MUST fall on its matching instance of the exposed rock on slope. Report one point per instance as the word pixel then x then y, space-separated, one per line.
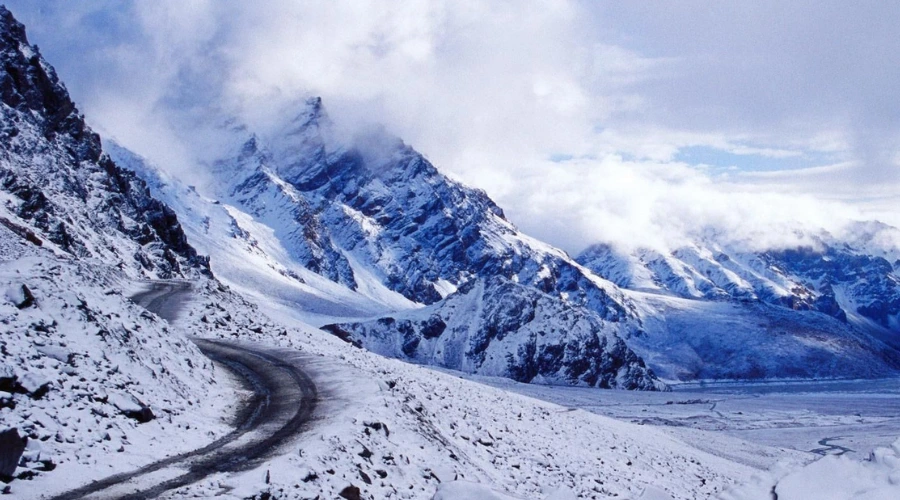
pixel 498 327
pixel 56 177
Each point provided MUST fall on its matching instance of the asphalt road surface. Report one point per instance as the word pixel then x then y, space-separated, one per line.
pixel 283 401
pixel 164 298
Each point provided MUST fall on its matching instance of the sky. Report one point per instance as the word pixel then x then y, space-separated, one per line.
pixel 636 123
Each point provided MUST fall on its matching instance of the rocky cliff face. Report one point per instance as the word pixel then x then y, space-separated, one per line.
pixel 57 179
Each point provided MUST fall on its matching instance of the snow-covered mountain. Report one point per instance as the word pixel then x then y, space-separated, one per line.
pixel 843 279
pixel 374 216
pixel 497 326
pixel 366 234
pixel 270 259
pixel 826 309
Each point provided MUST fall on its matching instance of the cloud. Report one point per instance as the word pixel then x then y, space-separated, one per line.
pixel 493 92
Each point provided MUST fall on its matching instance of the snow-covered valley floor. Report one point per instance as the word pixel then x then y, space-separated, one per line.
pixel 396 430
pixel 855 417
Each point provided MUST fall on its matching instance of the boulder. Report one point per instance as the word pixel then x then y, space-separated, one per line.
pixel 131 407
pixel 20 296
pixel 12 445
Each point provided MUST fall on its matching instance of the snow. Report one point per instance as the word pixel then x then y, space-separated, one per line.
pixel 248 254
pixel 382 416
pixel 689 339
pixel 524 458
pixel 97 354
pixel 124 402
pixel 424 428
pixel 410 418
pixel 819 311
pixel 81 356
pixel 445 288
pixel 465 490
pixel 15 294
pixel 830 478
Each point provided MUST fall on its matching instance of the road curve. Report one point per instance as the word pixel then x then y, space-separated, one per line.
pixel 164 298
pixel 283 401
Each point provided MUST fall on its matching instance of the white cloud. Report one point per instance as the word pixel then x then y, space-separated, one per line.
pixel 490 90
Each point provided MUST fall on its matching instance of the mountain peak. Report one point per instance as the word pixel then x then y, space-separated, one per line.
pixel 10 27
pixel 311 116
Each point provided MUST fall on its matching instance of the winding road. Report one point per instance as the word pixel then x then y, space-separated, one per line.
pixel 283 401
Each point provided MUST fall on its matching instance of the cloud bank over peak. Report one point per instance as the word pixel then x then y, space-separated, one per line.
pixel 631 122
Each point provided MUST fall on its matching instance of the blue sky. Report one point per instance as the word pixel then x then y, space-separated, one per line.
pixel 585 120
pixel 725 160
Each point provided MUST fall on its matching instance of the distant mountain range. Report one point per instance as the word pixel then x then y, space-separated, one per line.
pixel 831 308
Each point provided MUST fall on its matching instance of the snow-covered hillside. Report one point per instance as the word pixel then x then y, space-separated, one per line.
pixel 55 176
pixel 86 375
pixel 84 372
pixel 396 430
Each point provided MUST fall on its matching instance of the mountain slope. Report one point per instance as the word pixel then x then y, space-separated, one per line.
pixel 498 327
pixel 838 278
pixel 424 234
pixel 54 175
pixel 252 255
pixel 83 367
